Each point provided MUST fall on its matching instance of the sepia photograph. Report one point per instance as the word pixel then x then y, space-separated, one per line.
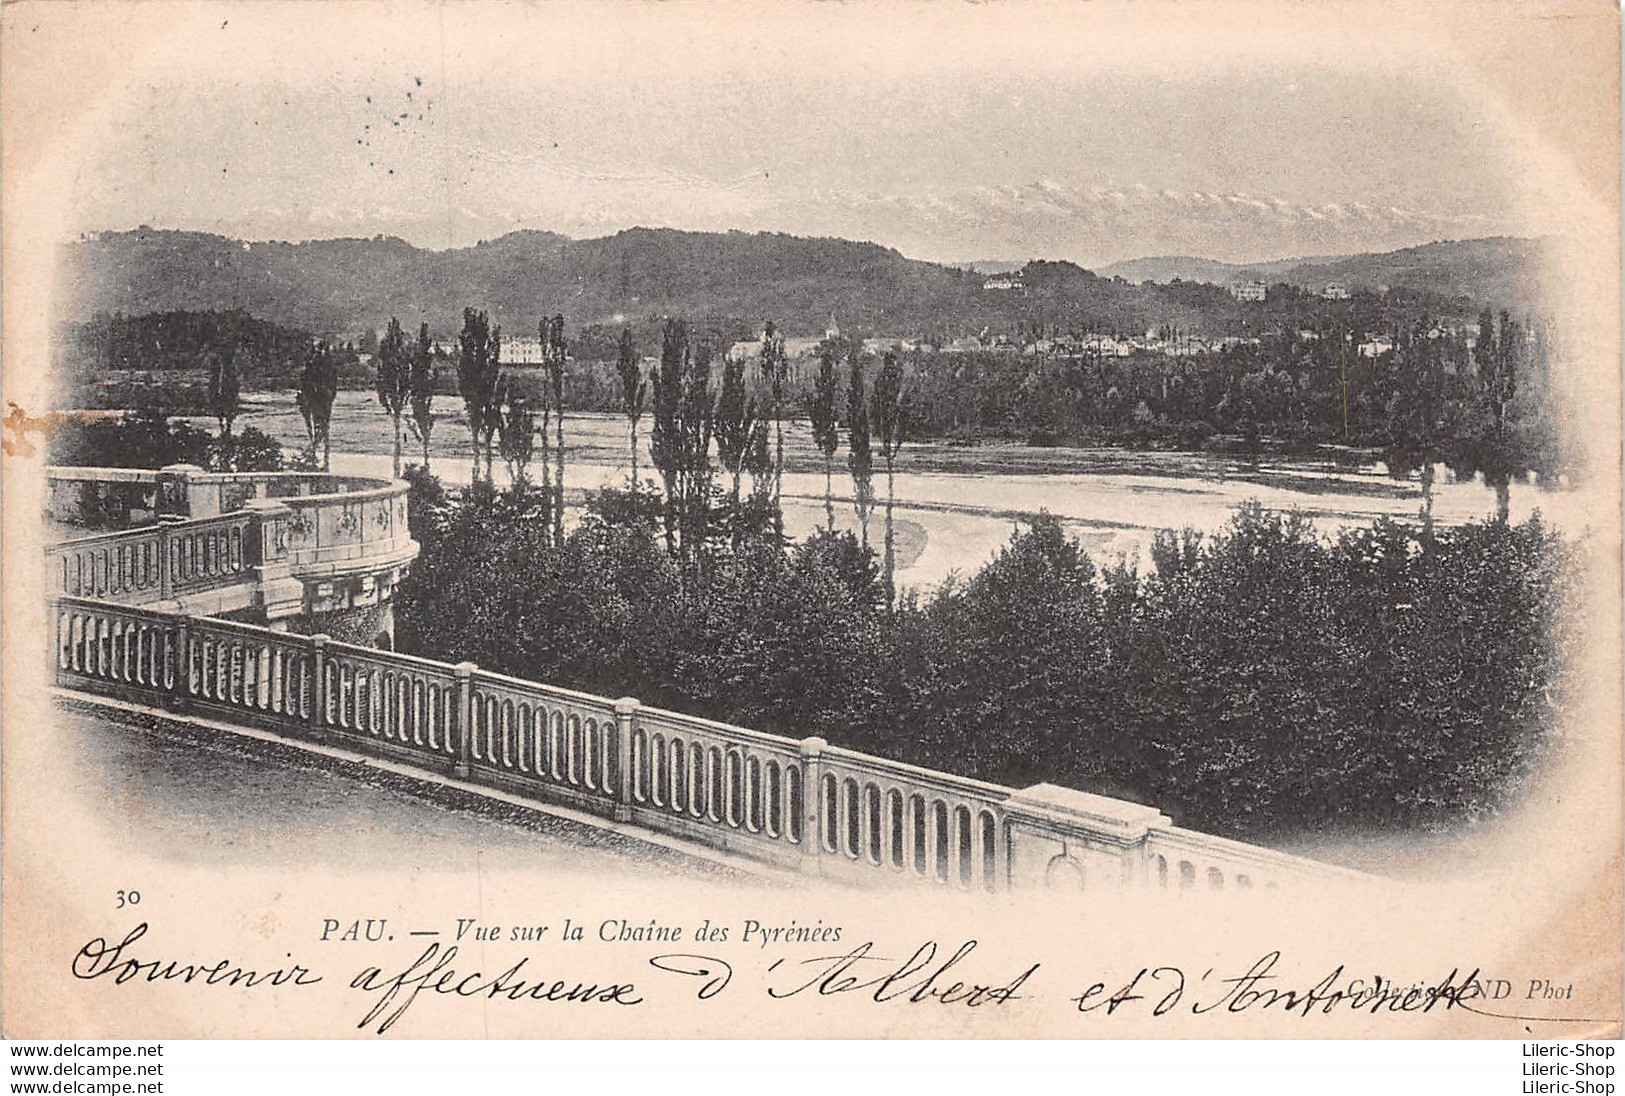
pixel 792 521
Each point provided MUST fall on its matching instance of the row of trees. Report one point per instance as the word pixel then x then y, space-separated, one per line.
pixel 1259 682
pixel 707 434
pixel 1491 412
pixel 1478 401
pixel 1478 405
pixel 743 426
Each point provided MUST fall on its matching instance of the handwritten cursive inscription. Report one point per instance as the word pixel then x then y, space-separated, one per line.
pixel 1260 988
pixel 917 979
pixel 432 970
pixel 929 975
pixel 99 960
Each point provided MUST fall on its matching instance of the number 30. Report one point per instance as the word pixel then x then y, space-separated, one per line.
pixel 128 898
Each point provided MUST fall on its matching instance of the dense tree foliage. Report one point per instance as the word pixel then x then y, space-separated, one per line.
pixel 174 361
pixel 149 439
pixel 1260 682
pixel 825 419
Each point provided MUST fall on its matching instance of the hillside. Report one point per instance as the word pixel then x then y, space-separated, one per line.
pixel 349 285
pixel 1189 268
pixel 730 282
pixel 1500 271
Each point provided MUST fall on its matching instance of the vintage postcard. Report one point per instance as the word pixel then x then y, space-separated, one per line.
pixel 804 520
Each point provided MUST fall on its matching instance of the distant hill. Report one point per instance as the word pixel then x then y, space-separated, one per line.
pixel 727 282
pixel 991 266
pixel 735 280
pixel 1163 269
pixel 1499 271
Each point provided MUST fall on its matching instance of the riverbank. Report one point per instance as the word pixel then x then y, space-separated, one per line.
pixel 964 500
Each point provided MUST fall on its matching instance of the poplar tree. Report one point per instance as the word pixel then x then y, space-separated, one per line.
pixel 665 438
pixel 1416 411
pixel 225 389
pixel 826 422
pixel 421 384
pixel 479 370
pixel 888 424
pixel 1499 349
pixel 697 426
pixel 734 420
pixel 633 390
pixel 318 385
pixel 393 382
pixel 516 435
pixel 776 367
pixel 861 460
pixel 554 356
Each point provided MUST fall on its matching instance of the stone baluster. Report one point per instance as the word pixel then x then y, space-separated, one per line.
pixel 978 853
pixel 316 723
pixel 465 715
pixel 626 709
pixel 812 805
pixel 183 662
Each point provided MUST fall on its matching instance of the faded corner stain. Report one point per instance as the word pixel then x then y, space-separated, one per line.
pixel 20 425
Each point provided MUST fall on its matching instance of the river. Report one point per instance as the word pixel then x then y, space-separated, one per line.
pixel 956 505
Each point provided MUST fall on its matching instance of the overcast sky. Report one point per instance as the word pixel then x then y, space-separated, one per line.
pixel 959 133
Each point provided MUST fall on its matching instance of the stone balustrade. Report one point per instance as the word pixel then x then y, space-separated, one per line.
pixel 275 544
pixel 799 804
pixel 158 563
pixel 129 607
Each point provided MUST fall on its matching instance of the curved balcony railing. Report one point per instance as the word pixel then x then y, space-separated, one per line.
pixel 158 563
pixel 184 531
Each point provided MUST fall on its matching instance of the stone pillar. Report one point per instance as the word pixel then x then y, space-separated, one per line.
pixel 1100 838
pixel 626 709
pixel 173 498
pixel 812 805
pixel 465 715
pixel 317 723
pixel 278 594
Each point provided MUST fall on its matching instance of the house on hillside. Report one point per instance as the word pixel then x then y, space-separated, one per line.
pixel 521 350
pixel 1376 346
pixel 1249 291
pixel 750 350
pixel 883 345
